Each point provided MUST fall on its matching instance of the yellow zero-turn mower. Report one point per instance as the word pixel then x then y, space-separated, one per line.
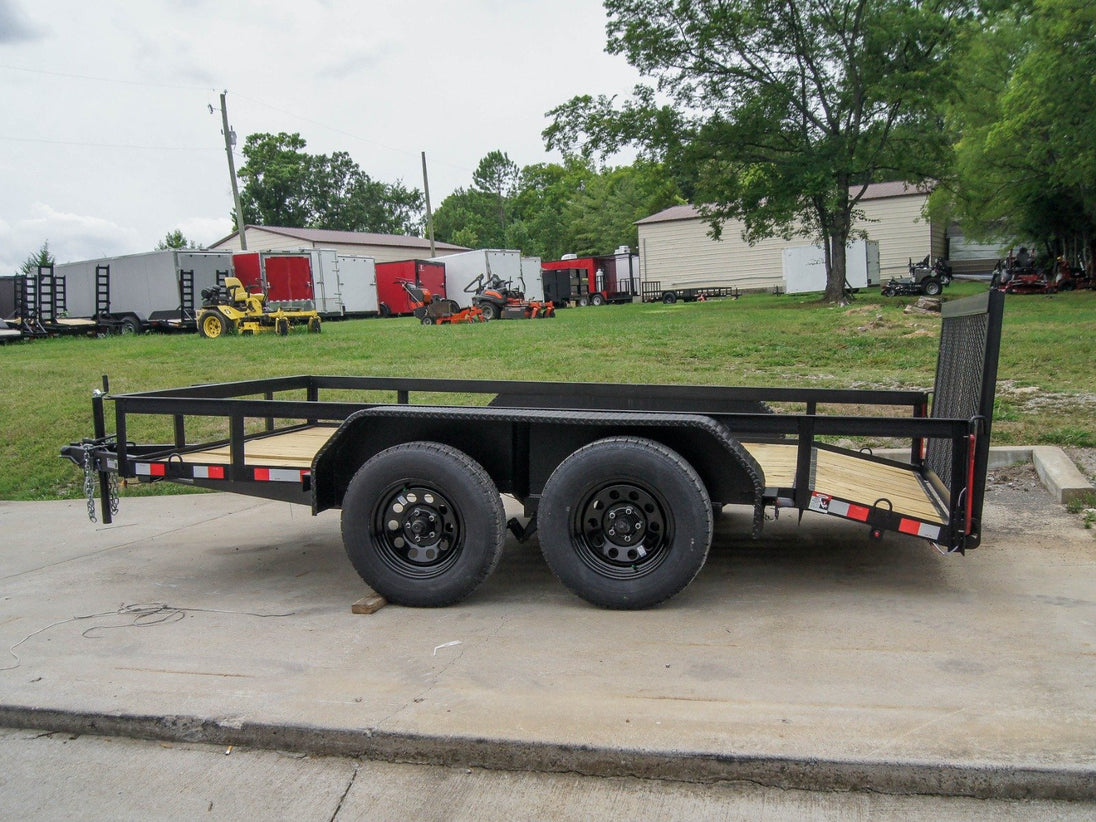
pixel 231 309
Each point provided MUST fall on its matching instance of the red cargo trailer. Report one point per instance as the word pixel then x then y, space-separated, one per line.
pixel 392 299
pixel 612 278
pixel 285 278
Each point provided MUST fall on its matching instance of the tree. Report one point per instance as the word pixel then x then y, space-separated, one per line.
pixel 498 176
pixel 276 175
pixel 39 259
pixel 174 239
pixel 779 114
pixel 286 186
pixel 1026 130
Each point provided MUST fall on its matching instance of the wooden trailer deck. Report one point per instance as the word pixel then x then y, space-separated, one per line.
pixel 849 477
pixel 845 476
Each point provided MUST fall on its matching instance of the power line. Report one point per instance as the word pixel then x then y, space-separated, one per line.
pixel 103 145
pixel 103 79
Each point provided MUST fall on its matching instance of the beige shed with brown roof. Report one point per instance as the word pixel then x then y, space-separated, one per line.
pixel 381 247
pixel 676 251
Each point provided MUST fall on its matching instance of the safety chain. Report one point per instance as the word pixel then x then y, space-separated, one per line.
pixel 90 479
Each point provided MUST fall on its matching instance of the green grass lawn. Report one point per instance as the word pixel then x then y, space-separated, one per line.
pixel 1046 389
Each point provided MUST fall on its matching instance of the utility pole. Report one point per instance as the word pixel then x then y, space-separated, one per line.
pixel 230 141
pixel 429 214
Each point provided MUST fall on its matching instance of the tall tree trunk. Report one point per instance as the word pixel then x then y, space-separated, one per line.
pixel 839 239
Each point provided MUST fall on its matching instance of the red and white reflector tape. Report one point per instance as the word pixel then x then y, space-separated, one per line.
pixel 280 474
pixel 149 469
pixel 828 505
pixel 919 529
pixel 209 472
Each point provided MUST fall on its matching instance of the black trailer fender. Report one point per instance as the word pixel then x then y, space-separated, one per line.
pixel 520 448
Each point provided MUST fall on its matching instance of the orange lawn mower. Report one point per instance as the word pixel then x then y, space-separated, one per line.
pixel 497 300
pixel 431 310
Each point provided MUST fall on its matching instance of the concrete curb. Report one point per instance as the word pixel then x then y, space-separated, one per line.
pixel 1055 469
pixel 980 780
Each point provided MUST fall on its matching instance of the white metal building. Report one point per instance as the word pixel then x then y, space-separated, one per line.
pixel 381 247
pixel 675 248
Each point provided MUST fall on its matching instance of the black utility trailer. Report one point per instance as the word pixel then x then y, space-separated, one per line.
pixel 620 481
pixel 692 294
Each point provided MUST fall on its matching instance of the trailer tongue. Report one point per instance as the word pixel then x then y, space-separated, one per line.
pixel 620 480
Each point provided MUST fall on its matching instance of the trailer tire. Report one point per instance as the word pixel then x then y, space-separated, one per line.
pixel 597 299
pixel 404 486
pixel 659 498
pixel 669 298
pixel 129 326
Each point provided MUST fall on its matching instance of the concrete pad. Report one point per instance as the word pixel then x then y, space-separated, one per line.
pixel 811 658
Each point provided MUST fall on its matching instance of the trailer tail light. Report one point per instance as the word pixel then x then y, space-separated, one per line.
pixel 972 440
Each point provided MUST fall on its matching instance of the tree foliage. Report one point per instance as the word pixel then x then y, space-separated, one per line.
pixel 286 186
pixel 175 239
pixel 1025 168
pixel 550 209
pixel 41 258
pixel 777 114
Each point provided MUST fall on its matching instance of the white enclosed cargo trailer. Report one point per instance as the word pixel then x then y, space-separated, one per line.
pixel 357 284
pixel 805 266
pixel 462 270
pixel 531 284
pixel 157 286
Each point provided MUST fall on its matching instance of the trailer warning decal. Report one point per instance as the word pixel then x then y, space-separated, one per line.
pixel 825 504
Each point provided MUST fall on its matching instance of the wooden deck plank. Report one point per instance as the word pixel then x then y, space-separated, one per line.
pixel 848 477
pixel 293 449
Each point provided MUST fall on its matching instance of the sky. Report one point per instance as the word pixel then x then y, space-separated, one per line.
pixel 107 141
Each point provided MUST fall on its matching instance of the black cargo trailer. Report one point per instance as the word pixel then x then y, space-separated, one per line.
pixel 620 481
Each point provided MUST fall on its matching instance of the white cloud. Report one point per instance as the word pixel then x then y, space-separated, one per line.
pixel 205 230
pixel 14 27
pixel 70 237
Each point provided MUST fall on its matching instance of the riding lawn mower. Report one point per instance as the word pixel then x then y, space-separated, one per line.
pixel 231 309
pixel 497 300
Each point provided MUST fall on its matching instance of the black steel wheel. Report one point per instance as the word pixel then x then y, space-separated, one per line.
pixel 625 522
pixel 669 298
pixel 932 287
pixel 423 524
